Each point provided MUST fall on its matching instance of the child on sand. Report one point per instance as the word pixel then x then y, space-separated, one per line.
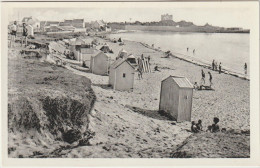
pixel 194 128
pixel 196 86
pixel 214 127
pixel 156 68
pixel 199 125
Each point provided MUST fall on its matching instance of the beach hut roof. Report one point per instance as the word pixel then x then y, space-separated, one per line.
pixel 119 62
pixel 123 50
pixel 131 56
pixel 99 53
pixel 181 81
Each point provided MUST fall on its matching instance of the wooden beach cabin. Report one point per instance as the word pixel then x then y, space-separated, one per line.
pixel 99 64
pixel 122 54
pixel 176 97
pixel 121 75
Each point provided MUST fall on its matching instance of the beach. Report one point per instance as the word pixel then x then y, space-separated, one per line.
pixel 131 119
pixel 127 124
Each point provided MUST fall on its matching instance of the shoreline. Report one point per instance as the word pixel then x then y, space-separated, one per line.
pixel 198 63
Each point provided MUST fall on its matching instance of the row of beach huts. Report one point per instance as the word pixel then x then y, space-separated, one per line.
pixel 176 92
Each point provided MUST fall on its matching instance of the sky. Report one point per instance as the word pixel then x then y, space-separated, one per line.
pixel 226 17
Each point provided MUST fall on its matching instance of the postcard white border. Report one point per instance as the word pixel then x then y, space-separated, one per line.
pixel 253 6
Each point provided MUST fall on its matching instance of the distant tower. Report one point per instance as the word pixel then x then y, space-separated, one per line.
pixel 166 17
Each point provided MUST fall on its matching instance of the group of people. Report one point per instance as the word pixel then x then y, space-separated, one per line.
pixel 216 66
pixel 203 77
pixel 192 51
pixel 13 33
pixel 202 84
pixel 197 127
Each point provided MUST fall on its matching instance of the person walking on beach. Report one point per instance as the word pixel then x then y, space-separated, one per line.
pixel 219 68
pixel 210 79
pixel 187 49
pixel 245 68
pixel 13 33
pixel 24 35
pixel 203 76
pixel 213 65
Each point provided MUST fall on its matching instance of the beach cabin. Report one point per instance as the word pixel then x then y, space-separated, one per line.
pixel 121 75
pixel 83 49
pixel 99 64
pixel 122 54
pixel 176 97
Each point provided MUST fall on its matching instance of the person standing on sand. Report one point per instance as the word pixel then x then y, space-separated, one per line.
pixel 219 68
pixel 213 65
pixel 187 49
pixel 149 59
pixel 245 68
pixel 210 78
pixel 139 74
pixel 193 51
pixel 13 33
pixel 203 76
pixel 24 35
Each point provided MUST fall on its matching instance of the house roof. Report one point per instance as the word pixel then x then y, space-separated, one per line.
pixel 67 27
pixel 182 82
pixel 48 23
pixel 118 62
pixel 78 20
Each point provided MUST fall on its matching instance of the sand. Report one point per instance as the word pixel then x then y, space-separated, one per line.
pixel 114 122
pixel 127 124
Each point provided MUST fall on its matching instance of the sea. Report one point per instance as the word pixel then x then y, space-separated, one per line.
pixel 231 49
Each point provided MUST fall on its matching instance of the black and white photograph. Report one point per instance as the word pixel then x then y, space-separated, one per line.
pixel 131 80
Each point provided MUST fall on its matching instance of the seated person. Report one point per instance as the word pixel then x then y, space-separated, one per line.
pixel 215 126
pixel 156 68
pixel 199 125
pixel 196 86
pixel 194 128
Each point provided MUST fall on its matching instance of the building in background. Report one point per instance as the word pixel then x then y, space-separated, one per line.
pixel 166 17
